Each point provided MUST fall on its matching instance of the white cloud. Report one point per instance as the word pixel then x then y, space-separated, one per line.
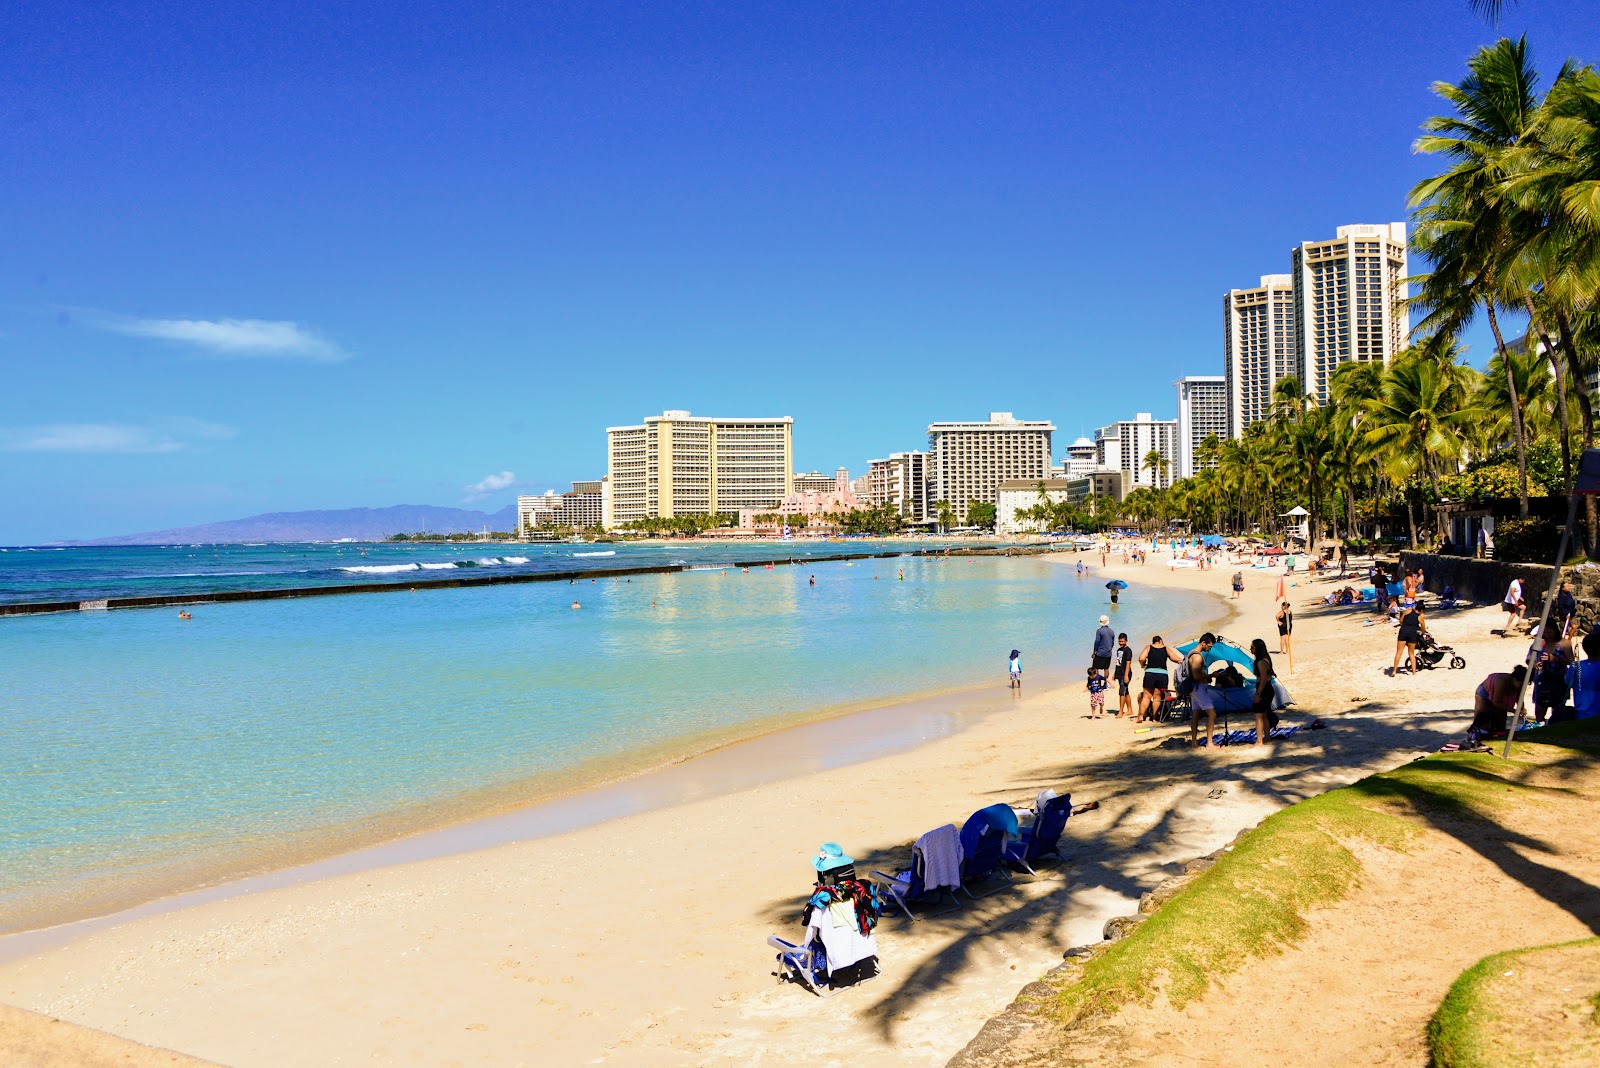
pixel 171 435
pixel 234 338
pixel 490 484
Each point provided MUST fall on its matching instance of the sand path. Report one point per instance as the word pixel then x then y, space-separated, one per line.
pixel 640 941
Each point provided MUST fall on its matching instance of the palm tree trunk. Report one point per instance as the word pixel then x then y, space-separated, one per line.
pixel 1411 515
pixel 1518 431
pixel 1580 386
pixel 1553 354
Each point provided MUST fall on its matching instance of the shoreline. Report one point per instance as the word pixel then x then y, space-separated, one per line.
pixel 863 730
pixel 461 956
pixel 555 803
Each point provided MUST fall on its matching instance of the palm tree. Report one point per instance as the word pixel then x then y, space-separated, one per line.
pixel 1466 225
pixel 1417 424
pixel 1157 465
pixel 947 515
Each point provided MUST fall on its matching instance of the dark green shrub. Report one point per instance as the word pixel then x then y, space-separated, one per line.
pixel 1526 541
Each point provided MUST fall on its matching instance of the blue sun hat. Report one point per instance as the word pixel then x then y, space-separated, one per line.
pixel 830 855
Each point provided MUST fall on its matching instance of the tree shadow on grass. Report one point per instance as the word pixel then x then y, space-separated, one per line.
pixel 1118 851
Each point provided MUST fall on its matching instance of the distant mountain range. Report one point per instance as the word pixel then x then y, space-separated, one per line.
pixel 368 524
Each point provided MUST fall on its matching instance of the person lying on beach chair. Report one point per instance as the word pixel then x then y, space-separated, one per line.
pixel 1448 598
pixel 838 949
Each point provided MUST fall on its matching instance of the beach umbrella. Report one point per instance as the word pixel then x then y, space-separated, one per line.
pixel 1116 584
pixel 1213 540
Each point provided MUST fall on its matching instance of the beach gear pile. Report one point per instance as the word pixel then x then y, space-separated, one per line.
pixel 839 948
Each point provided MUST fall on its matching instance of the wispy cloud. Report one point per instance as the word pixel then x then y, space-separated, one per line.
pixel 278 339
pixel 490 484
pixel 172 435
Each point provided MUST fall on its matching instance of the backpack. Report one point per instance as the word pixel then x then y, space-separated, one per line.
pixel 1182 681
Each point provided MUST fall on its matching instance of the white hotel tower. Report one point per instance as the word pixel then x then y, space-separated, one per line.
pixel 1258 348
pixel 1349 300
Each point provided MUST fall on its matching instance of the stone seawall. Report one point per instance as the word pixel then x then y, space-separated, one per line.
pixel 1485 581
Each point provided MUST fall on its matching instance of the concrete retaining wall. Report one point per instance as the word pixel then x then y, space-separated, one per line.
pixel 1485 581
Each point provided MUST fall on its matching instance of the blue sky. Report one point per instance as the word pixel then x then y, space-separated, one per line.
pixel 263 257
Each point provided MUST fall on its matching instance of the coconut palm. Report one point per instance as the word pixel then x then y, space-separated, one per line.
pixel 1418 424
pixel 1466 223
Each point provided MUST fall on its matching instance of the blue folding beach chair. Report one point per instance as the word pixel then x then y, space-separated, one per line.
pixel 1043 839
pixel 906 888
pixel 983 839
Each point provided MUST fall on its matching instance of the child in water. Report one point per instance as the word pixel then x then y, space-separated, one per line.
pixel 1016 669
pixel 1097 694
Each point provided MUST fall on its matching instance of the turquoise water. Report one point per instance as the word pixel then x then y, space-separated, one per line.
pixel 90 572
pixel 145 754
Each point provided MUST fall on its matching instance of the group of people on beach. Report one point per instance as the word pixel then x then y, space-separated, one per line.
pixel 1200 678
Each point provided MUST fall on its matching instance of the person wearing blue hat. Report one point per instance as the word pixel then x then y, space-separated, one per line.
pixel 832 864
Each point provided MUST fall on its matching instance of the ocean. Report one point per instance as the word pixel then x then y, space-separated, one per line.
pixel 146 754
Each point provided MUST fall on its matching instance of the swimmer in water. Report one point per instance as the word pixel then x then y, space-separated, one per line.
pixel 902 574
pixel 813 580
pixel 575 604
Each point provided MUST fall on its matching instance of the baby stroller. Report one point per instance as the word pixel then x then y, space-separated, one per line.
pixel 1430 652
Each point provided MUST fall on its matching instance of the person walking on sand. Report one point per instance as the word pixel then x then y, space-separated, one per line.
pixel 1105 643
pixel 1412 628
pixel 1285 630
pixel 1015 667
pixel 1122 671
pixel 1157 660
pixel 1238 584
pixel 1266 696
pixel 1096 686
pixel 1080 569
pixel 1512 606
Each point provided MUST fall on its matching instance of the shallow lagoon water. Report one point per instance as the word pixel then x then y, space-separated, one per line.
pixel 146 754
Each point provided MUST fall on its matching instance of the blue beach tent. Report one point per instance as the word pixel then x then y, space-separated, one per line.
pixel 1224 651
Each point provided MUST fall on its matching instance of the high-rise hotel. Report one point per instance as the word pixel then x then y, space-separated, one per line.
pixel 968 461
pixel 1202 412
pixel 1343 299
pixel 1258 348
pixel 1350 301
pixel 676 464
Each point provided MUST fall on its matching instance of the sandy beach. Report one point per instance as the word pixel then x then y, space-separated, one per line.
pixel 641 940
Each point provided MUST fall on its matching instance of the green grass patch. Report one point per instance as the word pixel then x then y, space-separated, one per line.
pixel 1491 1018
pixel 1254 900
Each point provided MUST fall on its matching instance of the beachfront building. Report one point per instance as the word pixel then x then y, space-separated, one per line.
pixel 968 461
pixel 812 480
pixel 676 464
pixel 580 509
pixel 1202 411
pixel 900 481
pixel 1258 348
pixel 1080 459
pixel 804 509
pixel 1126 445
pixel 1350 301
pixel 1018 495
pixel 1108 484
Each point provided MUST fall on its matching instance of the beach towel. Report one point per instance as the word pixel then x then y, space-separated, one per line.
pixel 844 945
pixel 941 857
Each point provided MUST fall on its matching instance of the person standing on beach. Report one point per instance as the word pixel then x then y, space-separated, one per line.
pixel 1412 628
pixel 1265 694
pixel 1097 694
pixel 1105 643
pixel 1157 660
pixel 1202 695
pixel 1015 667
pixel 1238 584
pixel 1285 630
pixel 1512 606
pixel 1080 569
pixel 1122 671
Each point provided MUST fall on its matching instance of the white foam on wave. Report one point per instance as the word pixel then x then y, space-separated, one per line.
pixel 379 569
pixel 516 560
pixel 437 567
